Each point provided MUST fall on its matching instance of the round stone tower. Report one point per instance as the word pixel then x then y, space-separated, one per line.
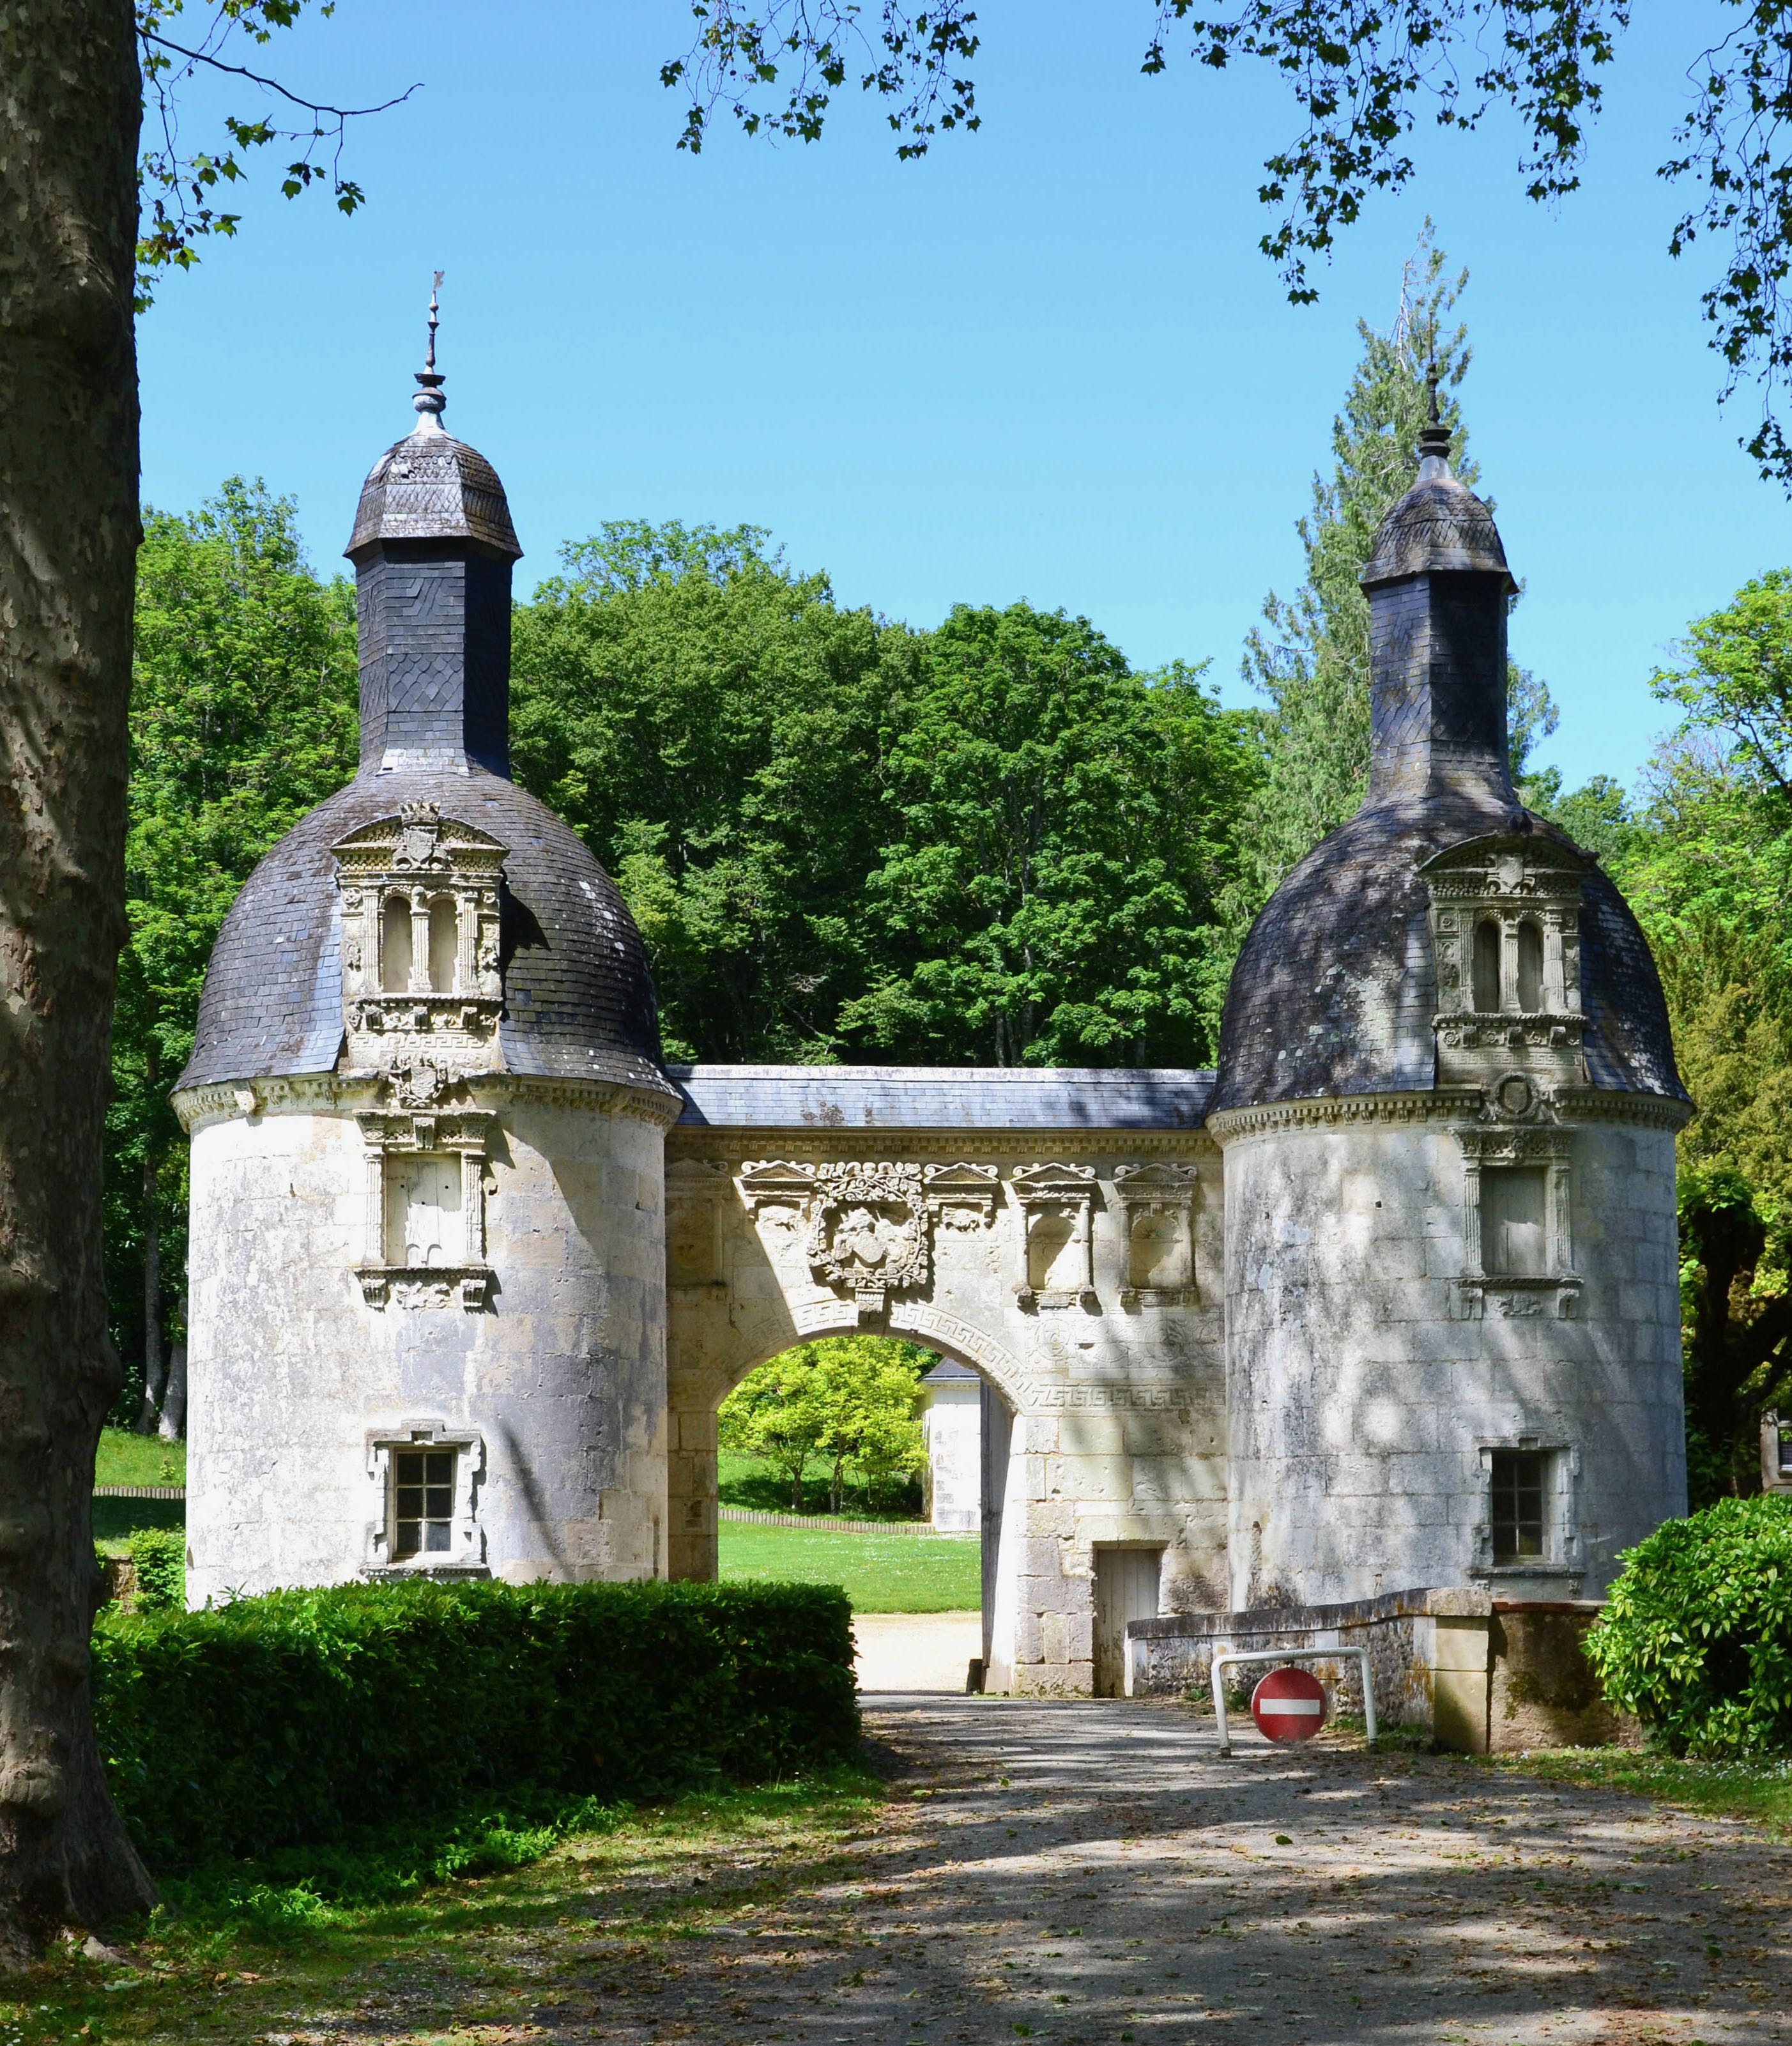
pixel 1447 1100
pixel 426 1317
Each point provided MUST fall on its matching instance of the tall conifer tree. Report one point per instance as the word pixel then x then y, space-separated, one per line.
pixel 1310 658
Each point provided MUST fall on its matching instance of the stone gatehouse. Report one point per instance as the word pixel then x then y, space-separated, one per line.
pixel 1390 1301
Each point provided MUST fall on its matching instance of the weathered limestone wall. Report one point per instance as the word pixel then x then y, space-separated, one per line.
pixel 952 1426
pixel 1116 1387
pixel 1373 1370
pixel 554 1391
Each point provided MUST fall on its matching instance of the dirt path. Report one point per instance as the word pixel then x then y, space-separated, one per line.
pixel 915 1651
pixel 1086 1873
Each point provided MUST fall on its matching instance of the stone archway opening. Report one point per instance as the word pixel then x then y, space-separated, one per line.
pixel 697 1502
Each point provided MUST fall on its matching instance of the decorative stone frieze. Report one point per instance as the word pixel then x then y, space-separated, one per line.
pixel 420 942
pixel 424 1234
pixel 1157 1205
pixel 1056 1203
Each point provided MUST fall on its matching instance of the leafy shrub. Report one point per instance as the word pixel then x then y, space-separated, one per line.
pixel 159 1557
pixel 300 1717
pixel 1696 1638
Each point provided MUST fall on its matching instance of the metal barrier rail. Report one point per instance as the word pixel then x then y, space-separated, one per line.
pixel 1229 1657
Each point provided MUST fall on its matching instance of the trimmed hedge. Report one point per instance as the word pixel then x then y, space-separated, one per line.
pixel 1696 1638
pixel 302 1717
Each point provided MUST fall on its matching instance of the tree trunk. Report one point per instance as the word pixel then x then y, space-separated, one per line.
pixel 173 1424
pixel 69 110
pixel 154 1365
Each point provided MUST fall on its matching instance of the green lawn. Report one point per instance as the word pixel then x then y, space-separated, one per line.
pixel 878 1572
pixel 127 1459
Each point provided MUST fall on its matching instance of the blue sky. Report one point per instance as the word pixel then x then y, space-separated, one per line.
pixel 1047 362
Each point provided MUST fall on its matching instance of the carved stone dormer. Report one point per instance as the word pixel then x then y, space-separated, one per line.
pixel 1506 926
pixel 420 947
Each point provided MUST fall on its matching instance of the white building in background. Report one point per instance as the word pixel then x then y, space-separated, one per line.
pixel 1390 1301
pixel 951 1427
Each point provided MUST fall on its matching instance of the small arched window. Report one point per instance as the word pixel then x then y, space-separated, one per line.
pixel 1530 966
pixel 1487 967
pixel 395 945
pixel 444 943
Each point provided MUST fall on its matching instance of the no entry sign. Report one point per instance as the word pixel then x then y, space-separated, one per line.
pixel 1289 1704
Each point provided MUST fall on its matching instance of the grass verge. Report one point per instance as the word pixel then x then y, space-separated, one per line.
pixel 538 1905
pixel 126 1458
pixel 878 1572
pixel 1760 1790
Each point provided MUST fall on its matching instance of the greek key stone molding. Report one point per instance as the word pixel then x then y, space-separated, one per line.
pixel 408 884
pixel 1056 1201
pixel 403 1147
pixel 1157 1205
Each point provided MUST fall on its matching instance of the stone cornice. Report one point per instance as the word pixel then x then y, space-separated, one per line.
pixel 695 1143
pixel 1330 1111
pixel 325 1094
pixel 1572 1105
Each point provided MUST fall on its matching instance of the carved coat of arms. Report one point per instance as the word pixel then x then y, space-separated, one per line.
pixel 868 1230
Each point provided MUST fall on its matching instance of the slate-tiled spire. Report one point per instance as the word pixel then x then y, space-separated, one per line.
pixel 1438 585
pixel 433 546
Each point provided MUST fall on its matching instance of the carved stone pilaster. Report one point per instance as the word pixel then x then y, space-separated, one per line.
pixel 1156 1200
pixel 1056 1203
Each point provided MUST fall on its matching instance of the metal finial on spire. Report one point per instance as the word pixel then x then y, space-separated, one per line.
pixel 1434 436
pixel 429 402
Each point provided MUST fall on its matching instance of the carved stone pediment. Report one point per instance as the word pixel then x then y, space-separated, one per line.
pixel 421 985
pixel 1056 1201
pixel 1156 1200
pixel 962 1197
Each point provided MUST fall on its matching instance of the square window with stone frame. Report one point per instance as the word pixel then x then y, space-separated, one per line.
pixel 423 1503
pixel 1520 1514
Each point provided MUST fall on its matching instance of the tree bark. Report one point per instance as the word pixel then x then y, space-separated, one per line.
pixel 155 1366
pixel 69 111
pixel 173 1423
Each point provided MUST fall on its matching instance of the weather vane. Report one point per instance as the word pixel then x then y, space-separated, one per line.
pixel 429 401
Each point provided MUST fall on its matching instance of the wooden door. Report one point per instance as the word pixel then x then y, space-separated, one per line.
pixel 1125 1587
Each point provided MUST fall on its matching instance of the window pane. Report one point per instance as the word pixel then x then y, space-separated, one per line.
pixel 437 1540
pixel 438 1501
pixel 409 1501
pixel 1486 967
pixel 395 945
pixel 1518 1516
pixel 439 1467
pixel 445 939
pixel 1512 1234
pixel 405 1541
pixel 1530 966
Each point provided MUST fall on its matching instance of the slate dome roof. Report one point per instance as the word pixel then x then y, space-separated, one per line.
pixel 1439 524
pixel 578 995
pixel 1335 987
pixel 430 486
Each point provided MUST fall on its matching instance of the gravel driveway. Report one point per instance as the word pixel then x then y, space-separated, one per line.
pixel 1094 1872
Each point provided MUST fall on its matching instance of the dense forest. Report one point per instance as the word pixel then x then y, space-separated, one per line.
pixel 992 840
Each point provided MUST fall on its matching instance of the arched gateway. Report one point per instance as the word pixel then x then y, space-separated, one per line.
pixel 1058 1232
pixel 1390 1302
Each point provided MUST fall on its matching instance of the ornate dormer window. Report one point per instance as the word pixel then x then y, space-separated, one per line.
pixel 1506 927
pixel 420 914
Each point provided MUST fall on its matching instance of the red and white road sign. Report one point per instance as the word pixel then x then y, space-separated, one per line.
pixel 1289 1704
